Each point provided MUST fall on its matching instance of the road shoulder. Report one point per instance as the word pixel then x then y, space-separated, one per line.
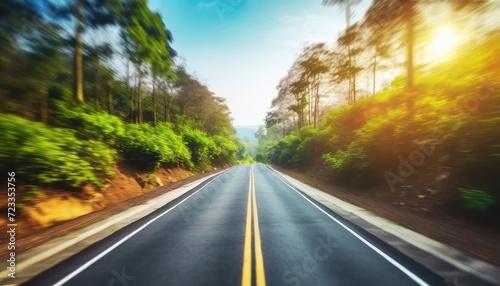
pixel 451 264
pixel 44 256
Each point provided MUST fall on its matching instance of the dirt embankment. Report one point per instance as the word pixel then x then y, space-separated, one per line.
pixel 57 212
pixel 422 204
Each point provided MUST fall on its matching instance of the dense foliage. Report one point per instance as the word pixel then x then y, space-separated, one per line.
pixel 67 116
pixel 441 125
pixel 448 122
pixel 152 147
pixel 44 155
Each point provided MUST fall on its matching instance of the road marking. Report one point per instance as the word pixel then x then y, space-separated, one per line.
pixel 259 259
pixel 246 279
pixel 403 269
pixel 109 249
pixel 252 213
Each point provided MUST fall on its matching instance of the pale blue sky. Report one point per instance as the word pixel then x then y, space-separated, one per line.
pixel 241 48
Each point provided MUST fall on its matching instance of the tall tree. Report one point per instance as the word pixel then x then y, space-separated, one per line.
pixel 86 14
pixel 30 58
pixel 379 44
pixel 276 118
pixel 44 63
pixel 348 5
pixel 313 67
pixel 389 16
pixel 198 107
pixel 299 90
pixel 161 68
pixel 350 40
pixel 96 54
pixel 149 46
pixel 165 90
pixel 292 94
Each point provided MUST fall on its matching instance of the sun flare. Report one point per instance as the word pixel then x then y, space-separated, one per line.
pixel 444 41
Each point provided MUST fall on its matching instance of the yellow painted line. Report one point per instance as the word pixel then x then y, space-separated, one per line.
pixel 259 260
pixel 246 279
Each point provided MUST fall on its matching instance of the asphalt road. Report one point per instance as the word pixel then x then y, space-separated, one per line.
pixel 247 226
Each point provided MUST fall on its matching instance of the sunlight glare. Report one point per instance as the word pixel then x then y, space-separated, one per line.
pixel 444 41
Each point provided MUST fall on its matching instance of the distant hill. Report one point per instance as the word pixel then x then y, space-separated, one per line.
pixel 246 134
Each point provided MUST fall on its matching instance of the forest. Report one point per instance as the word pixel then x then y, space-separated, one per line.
pixel 74 103
pixel 408 95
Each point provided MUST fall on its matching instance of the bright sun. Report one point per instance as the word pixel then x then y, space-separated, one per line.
pixel 444 41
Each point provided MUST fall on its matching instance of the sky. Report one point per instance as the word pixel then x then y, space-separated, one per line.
pixel 241 49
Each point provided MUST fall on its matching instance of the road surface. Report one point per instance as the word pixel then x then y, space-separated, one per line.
pixel 246 226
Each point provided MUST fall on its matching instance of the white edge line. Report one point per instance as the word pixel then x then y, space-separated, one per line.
pixel 108 250
pixel 33 260
pixel 387 257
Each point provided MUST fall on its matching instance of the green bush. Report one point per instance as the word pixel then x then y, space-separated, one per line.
pixel 293 149
pixel 151 147
pixel 203 148
pixel 44 155
pixel 476 199
pixel 352 158
pixel 98 126
pixel 169 139
pixel 226 151
pixel 264 151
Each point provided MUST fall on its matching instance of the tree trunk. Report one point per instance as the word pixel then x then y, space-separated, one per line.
pixel 44 106
pixel 374 73
pixel 96 86
pixel 165 108
pixel 128 55
pixel 354 87
pixel 410 43
pixel 302 118
pixel 348 16
pixel 128 87
pixel 139 101
pixel 311 102
pixel 316 105
pixel 168 102
pixel 132 102
pixel 110 100
pixel 153 96
pixel 79 53
pixel 350 74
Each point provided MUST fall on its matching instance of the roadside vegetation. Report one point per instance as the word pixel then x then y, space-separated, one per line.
pixel 437 122
pixel 87 84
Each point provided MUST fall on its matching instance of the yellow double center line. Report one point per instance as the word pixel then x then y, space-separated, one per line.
pixel 246 279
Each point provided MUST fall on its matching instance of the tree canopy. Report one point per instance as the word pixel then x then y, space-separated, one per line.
pixel 71 113
pixel 438 107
